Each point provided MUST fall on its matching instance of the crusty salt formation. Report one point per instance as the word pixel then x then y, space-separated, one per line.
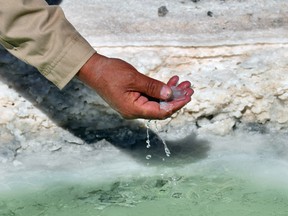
pixel 237 66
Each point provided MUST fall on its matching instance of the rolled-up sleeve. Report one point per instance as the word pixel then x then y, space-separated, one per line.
pixel 41 36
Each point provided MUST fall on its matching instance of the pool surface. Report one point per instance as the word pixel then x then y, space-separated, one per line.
pixel 241 175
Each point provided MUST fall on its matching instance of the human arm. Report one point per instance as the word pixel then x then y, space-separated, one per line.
pixel 41 36
pixel 131 93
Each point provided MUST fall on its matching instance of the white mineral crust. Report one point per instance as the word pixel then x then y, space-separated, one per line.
pixel 236 61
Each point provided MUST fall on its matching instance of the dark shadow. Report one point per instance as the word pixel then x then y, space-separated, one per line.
pixel 53 2
pixel 76 108
pixel 186 150
pixel 81 111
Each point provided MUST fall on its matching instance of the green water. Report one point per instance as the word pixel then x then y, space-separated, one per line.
pixel 177 195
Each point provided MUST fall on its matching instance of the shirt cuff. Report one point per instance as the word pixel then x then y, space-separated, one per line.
pixel 69 61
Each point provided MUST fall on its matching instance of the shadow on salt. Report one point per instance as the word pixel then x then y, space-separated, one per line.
pixel 83 113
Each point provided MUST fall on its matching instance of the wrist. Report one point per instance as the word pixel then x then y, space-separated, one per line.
pixel 91 70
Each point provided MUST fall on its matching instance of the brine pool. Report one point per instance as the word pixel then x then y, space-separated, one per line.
pixel 244 174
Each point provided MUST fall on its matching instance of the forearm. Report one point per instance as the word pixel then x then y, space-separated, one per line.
pixel 41 36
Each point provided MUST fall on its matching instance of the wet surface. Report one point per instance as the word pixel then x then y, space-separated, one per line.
pixel 242 174
pixel 66 153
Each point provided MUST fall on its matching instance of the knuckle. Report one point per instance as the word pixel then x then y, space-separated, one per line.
pixel 151 88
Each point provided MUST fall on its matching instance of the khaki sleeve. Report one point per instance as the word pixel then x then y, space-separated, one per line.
pixel 41 36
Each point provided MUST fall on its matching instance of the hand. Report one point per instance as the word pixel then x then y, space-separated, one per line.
pixel 131 93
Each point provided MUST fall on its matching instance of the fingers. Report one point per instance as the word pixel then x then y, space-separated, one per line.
pixel 175 104
pixel 172 96
pixel 162 110
pixel 173 81
pixel 181 95
pixel 159 90
pixel 154 110
pixel 179 92
pixel 186 88
pixel 184 85
pixel 189 92
pixel 152 87
pixel 151 110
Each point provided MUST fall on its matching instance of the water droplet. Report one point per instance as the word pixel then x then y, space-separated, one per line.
pixel 166 149
pixel 147 135
pixel 148 157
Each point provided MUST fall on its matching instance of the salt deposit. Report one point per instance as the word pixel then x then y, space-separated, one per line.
pixel 236 123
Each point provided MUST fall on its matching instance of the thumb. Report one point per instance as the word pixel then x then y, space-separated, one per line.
pixel 153 88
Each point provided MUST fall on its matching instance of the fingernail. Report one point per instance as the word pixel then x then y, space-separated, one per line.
pixel 166 92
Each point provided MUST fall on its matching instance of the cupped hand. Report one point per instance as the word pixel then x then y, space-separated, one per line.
pixel 130 92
